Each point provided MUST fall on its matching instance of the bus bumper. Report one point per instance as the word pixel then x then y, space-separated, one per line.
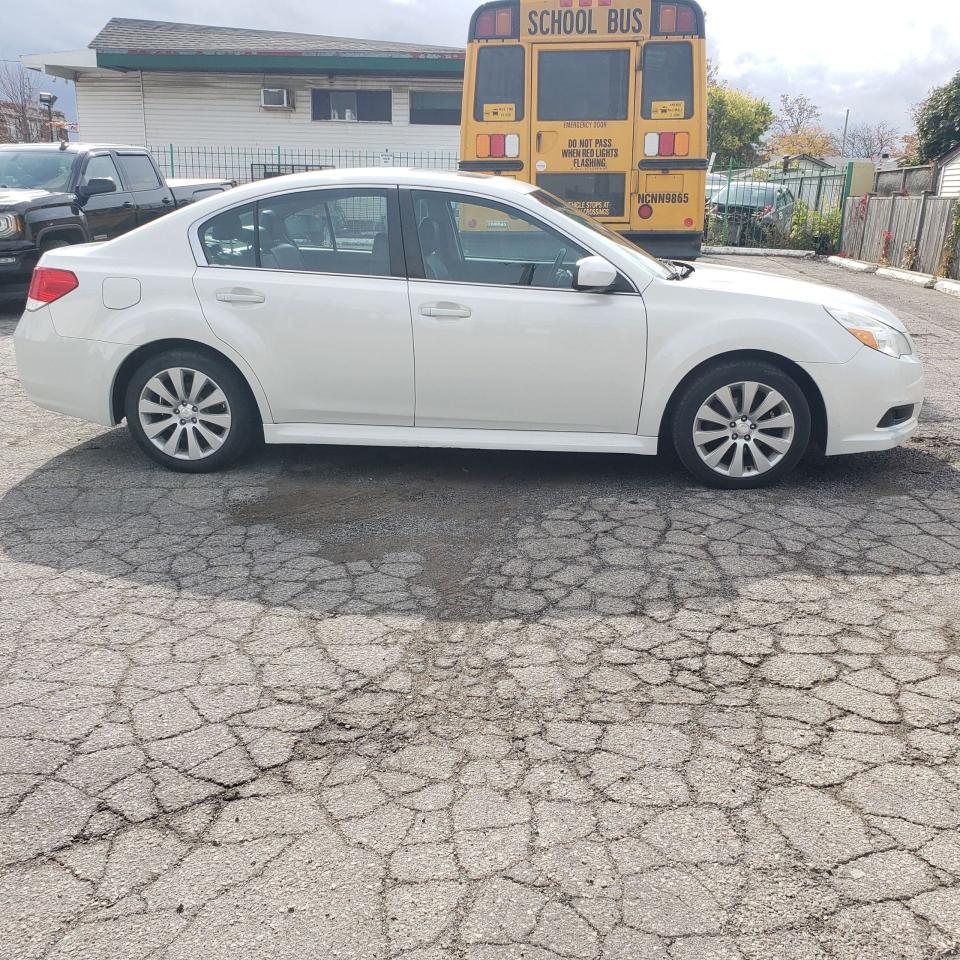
pixel 680 245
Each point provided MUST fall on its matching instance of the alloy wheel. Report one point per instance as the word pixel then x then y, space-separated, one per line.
pixel 744 430
pixel 184 413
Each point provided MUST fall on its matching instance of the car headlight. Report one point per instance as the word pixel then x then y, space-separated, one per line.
pixel 10 226
pixel 876 334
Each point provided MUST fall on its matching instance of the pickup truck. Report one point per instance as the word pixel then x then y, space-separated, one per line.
pixel 52 196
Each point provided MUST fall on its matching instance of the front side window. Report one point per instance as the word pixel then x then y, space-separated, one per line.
pixel 229 239
pixel 499 84
pixel 138 171
pixel 356 106
pixel 667 81
pixel 468 240
pixel 584 85
pixel 101 168
pixel 440 108
pixel 346 231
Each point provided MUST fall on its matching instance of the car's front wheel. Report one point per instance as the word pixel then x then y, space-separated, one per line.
pixel 742 425
pixel 190 411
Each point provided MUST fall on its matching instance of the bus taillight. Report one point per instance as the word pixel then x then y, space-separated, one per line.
pixel 677 18
pixel 494 23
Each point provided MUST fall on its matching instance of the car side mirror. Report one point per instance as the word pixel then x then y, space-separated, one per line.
pixel 96 186
pixel 594 274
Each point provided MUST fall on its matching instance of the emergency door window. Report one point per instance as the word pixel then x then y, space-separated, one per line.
pixel 583 85
pixel 667 81
pixel 499 85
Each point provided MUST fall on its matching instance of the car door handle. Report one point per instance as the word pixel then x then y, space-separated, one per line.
pixel 446 311
pixel 240 296
pixel 166 201
pixel 127 206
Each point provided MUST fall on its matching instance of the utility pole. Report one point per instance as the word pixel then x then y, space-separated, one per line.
pixel 846 127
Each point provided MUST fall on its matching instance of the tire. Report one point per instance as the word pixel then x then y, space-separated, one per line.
pixel 54 245
pixel 218 423
pixel 760 450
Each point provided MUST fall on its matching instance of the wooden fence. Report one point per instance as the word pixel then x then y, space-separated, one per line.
pixel 910 232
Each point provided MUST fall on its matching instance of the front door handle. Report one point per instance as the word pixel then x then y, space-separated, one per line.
pixel 240 296
pixel 446 311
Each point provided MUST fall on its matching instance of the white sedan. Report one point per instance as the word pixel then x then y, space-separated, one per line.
pixel 422 309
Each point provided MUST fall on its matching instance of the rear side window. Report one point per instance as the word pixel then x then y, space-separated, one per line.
pixel 499 86
pixel 584 85
pixel 229 239
pixel 667 81
pixel 138 172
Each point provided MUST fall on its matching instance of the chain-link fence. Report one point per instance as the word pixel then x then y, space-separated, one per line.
pixel 774 208
pixel 244 164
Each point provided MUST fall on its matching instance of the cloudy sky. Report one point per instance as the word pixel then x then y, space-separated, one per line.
pixel 875 56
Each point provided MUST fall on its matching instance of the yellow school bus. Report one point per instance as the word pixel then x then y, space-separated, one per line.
pixel 601 102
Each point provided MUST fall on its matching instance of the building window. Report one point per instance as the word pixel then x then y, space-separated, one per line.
pixel 437 109
pixel 363 106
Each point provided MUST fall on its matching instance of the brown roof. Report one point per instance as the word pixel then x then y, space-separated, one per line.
pixel 122 35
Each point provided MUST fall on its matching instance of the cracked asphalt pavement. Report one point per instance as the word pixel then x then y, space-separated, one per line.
pixel 363 704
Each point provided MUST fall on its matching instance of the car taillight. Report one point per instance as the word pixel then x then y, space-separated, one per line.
pixel 48 284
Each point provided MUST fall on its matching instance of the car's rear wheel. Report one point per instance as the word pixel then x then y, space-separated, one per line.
pixel 190 411
pixel 742 425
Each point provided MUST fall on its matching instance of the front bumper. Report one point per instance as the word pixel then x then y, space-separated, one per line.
pixel 16 266
pixel 859 394
pixel 65 374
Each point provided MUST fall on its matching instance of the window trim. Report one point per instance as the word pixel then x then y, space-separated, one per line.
pixel 355 90
pixel 414 256
pixel 394 236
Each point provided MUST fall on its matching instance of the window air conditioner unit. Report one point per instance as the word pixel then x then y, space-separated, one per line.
pixel 276 98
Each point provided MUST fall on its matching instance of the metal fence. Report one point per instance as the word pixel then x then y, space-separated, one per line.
pixel 244 164
pixel 906 182
pixel 915 233
pixel 769 207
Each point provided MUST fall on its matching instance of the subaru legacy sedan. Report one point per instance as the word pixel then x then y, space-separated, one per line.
pixel 414 308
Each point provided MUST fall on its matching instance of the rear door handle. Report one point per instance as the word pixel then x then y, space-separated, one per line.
pixel 128 205
pixel 446 311
pixel 240 296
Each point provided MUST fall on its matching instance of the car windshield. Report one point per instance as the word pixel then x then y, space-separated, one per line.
pixel 648 263
pixel 743 194
pixel 36 169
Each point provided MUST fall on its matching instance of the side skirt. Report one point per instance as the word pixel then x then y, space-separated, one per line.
pixel 362 436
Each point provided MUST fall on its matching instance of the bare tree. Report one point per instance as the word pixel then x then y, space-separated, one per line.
pixel 868 141
pixel 18 104
pixel 797 115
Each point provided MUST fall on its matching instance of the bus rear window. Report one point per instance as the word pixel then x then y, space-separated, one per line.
pixel 667 81
pixel 584 85
pixel 499 84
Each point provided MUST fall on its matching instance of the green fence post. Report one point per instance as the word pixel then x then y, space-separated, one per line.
pixel 278 158
pixel 847 190
pixel 726 205
pixel 171 160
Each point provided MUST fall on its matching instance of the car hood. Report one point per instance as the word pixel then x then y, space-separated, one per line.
pixel 734 280
pixel 20 199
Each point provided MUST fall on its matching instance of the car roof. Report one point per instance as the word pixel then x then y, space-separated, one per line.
pixel 386 176
pixel 71 147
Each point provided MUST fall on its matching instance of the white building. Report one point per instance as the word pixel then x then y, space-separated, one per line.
pixel 949 174
pixel 201 90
